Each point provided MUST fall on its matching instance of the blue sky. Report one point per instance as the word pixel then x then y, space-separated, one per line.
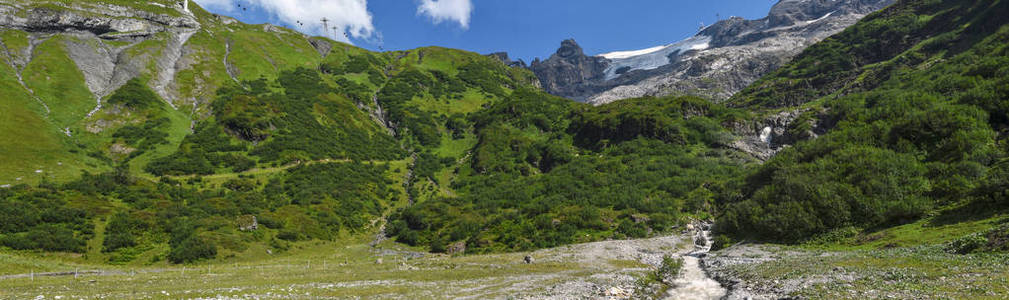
pixel 523 28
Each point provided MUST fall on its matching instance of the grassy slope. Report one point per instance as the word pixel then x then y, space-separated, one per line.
pixel 33 139
pixel 257 53
pixel 349 268
pixel 22 116
pixel 312 273
pixel 56 80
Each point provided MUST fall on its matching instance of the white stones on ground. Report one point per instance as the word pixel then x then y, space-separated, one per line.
pixel 617 292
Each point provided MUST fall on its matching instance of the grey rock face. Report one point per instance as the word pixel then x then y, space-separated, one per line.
pixel 719 61
pixel 106 67
pixel 503 57
pixel 96 62
pixel 571 73
pixel 98 19
pixel 765 137
pixel 321 45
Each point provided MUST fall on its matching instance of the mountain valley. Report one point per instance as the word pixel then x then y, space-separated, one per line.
pixel 834 149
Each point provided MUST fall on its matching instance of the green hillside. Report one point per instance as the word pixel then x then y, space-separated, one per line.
pixel 323 143
pixel 916 98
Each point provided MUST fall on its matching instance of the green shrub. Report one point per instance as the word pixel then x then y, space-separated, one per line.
pixel 191 250
pixel 134 94
pixel 967 244
pixel 669 270
pixel 119 233
pixel 632 229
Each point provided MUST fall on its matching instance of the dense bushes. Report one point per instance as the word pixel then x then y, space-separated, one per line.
pixel 854 185
pixel 395 98
pixel 315 201
pixel 315 124
pixel 40 219
pixel 318 200
pixel 119 233
pixel 247 116
pixel 527 186
pixel 360 64
pixel 305 122
pixel 134 94
pixel 186 246
pixel 202 152
pixel 145 137
pixel 921 129
pixel 482 75
pixel 684 120
pixel 48 237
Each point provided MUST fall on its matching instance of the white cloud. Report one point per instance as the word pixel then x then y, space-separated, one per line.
pixel 447 10
pixel 348 16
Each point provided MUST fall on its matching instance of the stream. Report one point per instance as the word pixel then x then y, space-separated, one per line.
pixel 693 282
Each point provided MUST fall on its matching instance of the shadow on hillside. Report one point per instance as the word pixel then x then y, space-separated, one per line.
pixel 971 211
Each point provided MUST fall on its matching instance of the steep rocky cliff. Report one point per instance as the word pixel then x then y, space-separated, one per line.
pixel 719 61
pixel 571 73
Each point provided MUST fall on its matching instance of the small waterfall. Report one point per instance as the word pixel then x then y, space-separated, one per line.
pixel 765 135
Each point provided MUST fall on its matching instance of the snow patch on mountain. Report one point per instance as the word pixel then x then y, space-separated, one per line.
pixel 651 58
pixel 800 24
pixel 629 54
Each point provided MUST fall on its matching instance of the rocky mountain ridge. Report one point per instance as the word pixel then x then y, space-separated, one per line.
pixel 105 67
pixel 719 61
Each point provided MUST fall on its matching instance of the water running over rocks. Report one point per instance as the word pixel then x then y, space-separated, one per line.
pixel 694 282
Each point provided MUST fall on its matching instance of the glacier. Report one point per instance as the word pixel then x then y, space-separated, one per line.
pixel 651 58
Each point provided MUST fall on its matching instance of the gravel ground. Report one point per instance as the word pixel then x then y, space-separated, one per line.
pixel 758 271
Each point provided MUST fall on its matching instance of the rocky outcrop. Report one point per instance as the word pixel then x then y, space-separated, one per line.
pixel 321 45
pixel 571 73
pixel 503 57
pixel 719 61
pixel 766 136
pixel 100 19
pixel 106 66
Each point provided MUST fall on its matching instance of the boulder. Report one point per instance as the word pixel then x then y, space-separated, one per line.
pixel 617 292
pixel 247 223
pixel 457 248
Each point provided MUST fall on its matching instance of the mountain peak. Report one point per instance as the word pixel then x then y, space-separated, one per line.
pixel 569 48
pixel 752 47
pixel 568 69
